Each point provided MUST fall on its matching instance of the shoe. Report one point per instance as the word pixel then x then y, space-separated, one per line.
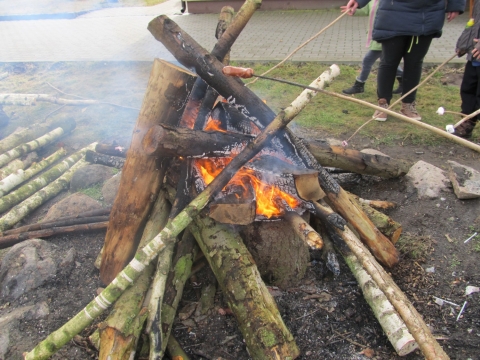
pixel 380 115
pixel 410 110
pixel 357 88
pixel 399 89
pixel 465 129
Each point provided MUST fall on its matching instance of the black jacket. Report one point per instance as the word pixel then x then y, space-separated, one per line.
pixel 411 17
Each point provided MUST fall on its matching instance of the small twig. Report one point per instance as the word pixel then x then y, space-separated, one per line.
pixel 313 312
pixel 301 46
pixel 470 238
pixel 461 310
pixel 64 93
pixel 350 341
pixel 53 112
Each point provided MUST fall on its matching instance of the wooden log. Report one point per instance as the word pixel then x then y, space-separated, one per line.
pixel 262 327
pixel 119 333
pixel 20 176
pixel 170 141
pixel 144 256
pixel 18 164
pixel 415 324
pixel 10 240
pixel 107 160
pixel 21 210
pixel 163 103
pixel 190 54
pixel 175 350
pixel 34 131
pixel 23 149
pixel 304 230
pixel 41 181
pixel 357 161
pixel 114 150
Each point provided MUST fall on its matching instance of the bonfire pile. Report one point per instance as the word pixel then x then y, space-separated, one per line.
pixel 194 134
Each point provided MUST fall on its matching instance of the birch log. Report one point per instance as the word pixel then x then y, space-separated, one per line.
pixel 143 257
pixel 18 164
pixel 41 181
pixel 21 176
pixel 34 131
pixel 31 145
pixel 21 210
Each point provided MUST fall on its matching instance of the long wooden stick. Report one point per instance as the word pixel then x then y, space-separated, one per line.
pixel 143 257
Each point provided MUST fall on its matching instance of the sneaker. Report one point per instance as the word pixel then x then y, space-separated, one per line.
pixel 357 88
pixel 410 110
pixel 380 115
pixel 465 129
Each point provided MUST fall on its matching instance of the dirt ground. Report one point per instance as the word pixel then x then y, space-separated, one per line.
pixel 339 325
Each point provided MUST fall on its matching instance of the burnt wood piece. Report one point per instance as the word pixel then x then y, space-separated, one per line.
pixel 190 54
pixel 304 230
pixel 167 141
pixel 141 179
pixel 357 161
pixel 102 159
pixel 10 240
pixel 108 149
pixel 237 206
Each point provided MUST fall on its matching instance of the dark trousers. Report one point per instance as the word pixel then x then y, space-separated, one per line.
pixel 413 50
pixel 470 89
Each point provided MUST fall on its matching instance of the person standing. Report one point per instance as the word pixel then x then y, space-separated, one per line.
pixel 405 28
pixel 470 88
pixel 373 54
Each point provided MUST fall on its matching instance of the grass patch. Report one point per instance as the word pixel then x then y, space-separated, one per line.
pixel 95 191
pixel 341 118
pixel 414 247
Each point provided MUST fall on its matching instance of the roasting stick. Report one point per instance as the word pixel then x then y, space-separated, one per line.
pixel 301 46
pixel 246 73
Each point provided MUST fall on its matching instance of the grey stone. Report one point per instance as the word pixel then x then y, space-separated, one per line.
pixel 465 180
pixel 90 175
pixel 67 263
pixel 427 179
pixel 72 205
pixel 110 189
pixel 26 266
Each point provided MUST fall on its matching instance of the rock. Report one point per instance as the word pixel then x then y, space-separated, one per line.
pixel 72 205
pixel 90 175
pixel 427 179
pixel 465 180
pixel 10 320
pixel 110 189
pixel 67 263
pixel 26 266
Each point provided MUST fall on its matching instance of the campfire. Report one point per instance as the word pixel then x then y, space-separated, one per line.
pixel 195 167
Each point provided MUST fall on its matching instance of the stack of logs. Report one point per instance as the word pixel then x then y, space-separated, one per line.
pixel 154 211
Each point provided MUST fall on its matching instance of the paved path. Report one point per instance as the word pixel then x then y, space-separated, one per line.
pixel 120 34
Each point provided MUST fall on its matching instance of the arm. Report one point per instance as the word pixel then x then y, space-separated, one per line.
pixel 455 6
pixel 352 6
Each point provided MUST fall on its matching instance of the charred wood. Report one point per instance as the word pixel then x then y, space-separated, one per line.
pixel 111 149
pixel 102 159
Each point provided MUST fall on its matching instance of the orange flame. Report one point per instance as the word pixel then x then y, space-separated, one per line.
pixel 267 196
pixel 214 125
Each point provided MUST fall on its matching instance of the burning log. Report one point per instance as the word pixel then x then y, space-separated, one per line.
pixel 141 177
pixel 34 131
pixel 265 334
pixel 18 164
pixel 21 176
pixel 20 150
pixel 119 337
pixel 21 210
pixel 190 54
pixel 108 160
pixel 356 161
pixel 143 257
pixel 39 182
pixel 95 224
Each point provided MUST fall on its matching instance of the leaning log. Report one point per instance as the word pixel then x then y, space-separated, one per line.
pixel 191 54
pixel 10 240
pixel 107 160
pixel 23 149
pixel 356 161
pixel 34 131
pixel 18 164
pixel 304 231
pixel 262 327
pixel 163 103
pixel 41 181
pixel 144 256
pixel 21 210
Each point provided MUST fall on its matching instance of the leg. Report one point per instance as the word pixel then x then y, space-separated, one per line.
pixel 470 94
pixel 368 60
pixel 392 53
pixel 413 61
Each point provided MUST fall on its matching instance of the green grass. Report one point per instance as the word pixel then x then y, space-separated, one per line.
pixel 95 191
pixel 340 118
